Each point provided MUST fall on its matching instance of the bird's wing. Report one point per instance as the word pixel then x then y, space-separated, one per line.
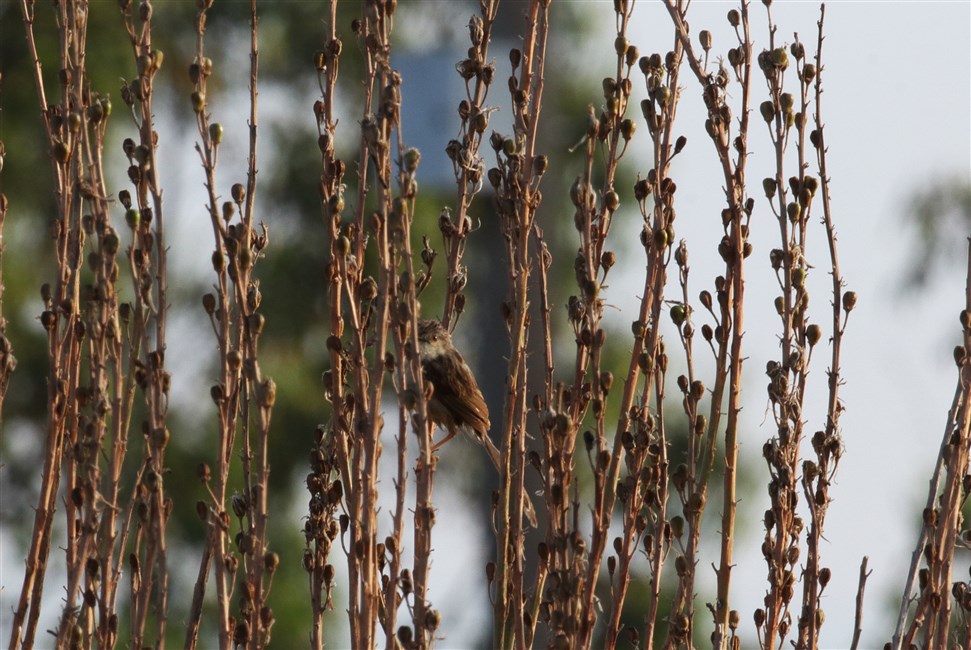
pixel 467 406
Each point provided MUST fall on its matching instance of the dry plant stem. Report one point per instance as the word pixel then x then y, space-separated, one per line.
pixel 259 392
pixel 364 439
pixel 597 263
pixel 337 446
pixel 858 619
pixel 425 619
pixel 411 385
pixel 226 392
pixel 95 543
pixel 7 360
pixel 113 381
pixel 909 597
pixel 634 434
pixel 59 320
pixel 787 377
pixel 942 516
pixel 736 233
pixel 518 198
pixel 149 279
pixel 818 477
pixel 365 546
pixel 467 164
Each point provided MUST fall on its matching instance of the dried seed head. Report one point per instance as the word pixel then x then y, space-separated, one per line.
pixel 611 201
pixel 849 301
pixel 824 576
pixel 198 99
pixel 767 109
pixel 620 45
pixel 677 526
pixel 515 57
pixel 677 314
pixel 769 187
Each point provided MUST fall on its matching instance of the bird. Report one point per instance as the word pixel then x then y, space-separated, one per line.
pixel 456 403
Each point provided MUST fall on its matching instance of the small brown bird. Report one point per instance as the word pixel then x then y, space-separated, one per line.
pixel 456 403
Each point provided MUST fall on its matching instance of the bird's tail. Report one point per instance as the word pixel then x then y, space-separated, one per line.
pixel 496 459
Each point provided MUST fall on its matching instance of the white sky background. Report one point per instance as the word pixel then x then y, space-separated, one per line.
pixel 898 92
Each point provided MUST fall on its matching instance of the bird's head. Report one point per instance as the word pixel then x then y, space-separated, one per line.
pixel 433 339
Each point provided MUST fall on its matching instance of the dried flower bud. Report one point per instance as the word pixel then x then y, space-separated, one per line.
pixel 216 133
pixel 620 45
pixel 515 57
pixel 960 354
pixel 768 111
pixel 677 314
pixel 769 186
pixel 794 211
pixel 849 301
pixel 813 334
pixel 198 101
pixel 824 576
pixel 611 201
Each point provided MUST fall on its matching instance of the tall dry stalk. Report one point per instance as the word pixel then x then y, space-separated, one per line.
pixel 100 351
pixel 243 396
pixel 373 323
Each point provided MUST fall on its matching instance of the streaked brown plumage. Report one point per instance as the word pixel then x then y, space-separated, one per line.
pixel 457 403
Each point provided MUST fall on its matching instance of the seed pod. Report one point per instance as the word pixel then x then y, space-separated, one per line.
pixel 216 133
pixel 813 334
pixel 849 301
pixel 611 201
pixel 198 99
pixel 768 111
pixel 677 314
pixel 620 45
pixel 769 186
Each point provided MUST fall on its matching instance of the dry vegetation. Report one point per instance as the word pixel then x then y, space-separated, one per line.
pixel 615 501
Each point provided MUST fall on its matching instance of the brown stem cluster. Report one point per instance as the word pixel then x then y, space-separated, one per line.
pixel 243 397
pixel 101 353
